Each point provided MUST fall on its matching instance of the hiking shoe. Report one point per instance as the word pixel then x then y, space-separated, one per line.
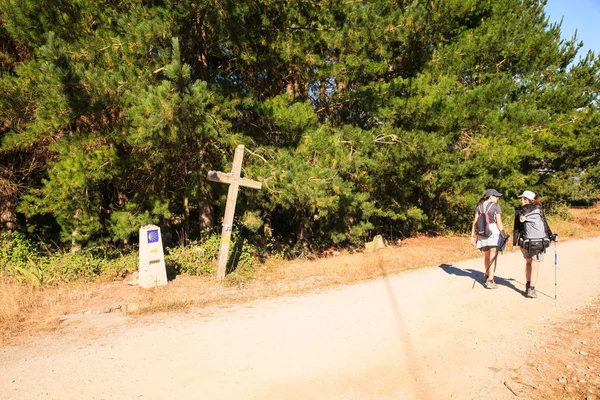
pixel 531 293
pixel 490 285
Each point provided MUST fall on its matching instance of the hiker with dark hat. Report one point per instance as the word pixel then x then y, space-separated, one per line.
pixel 490 237
pixel 532 233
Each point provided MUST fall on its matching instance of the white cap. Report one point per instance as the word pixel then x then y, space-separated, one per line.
pixel 528 194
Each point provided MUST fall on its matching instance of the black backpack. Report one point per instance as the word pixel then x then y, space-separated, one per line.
pixel 483 222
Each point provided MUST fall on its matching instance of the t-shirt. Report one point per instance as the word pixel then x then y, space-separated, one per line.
pixel 494 209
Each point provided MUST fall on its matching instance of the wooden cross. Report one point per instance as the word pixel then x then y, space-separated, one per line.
pixel 235 181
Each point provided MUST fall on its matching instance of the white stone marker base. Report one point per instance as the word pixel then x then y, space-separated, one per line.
pixel 152 268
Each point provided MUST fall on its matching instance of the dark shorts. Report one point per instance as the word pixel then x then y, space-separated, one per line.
pixel 537 257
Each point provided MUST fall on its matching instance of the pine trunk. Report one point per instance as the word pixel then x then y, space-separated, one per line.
pixel 8 216
pixel 207 214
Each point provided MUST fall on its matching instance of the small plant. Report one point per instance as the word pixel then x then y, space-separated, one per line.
pixel 34 274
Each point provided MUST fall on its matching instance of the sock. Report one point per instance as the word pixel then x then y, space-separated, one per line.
pixel 527 285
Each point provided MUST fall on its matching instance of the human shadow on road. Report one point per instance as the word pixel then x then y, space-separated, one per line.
pixel 479 277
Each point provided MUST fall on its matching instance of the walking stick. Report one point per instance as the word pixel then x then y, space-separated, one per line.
pixel 500 250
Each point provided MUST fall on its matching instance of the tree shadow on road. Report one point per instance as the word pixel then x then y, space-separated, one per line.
pixel 479 277
pixel 410 352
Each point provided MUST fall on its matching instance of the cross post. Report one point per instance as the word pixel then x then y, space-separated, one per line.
pixel 235 181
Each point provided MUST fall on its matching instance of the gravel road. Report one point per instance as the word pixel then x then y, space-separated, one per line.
pixel 434 333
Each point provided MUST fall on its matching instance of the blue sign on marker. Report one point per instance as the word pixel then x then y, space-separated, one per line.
pixel 153 236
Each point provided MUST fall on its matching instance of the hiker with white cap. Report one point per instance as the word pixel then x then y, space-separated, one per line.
pixel 487 233
pixel 532 233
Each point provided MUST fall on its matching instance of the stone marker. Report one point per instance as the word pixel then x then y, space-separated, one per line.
pixel 152 260
pixel 376 244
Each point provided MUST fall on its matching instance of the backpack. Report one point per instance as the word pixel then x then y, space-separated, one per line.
pixel 535 246
pixel 483 223
pixel 534 238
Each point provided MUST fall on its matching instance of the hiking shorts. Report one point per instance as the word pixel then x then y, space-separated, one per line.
pixel 537 257
pixel 496 240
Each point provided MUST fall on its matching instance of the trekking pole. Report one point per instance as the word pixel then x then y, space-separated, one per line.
pixel 555 266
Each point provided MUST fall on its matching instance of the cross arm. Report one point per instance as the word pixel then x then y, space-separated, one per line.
pixel 222 177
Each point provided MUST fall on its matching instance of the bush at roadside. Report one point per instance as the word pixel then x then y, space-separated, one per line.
pixel 22 260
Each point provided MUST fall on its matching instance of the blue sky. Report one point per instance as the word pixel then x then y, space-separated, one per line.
pixel 580 15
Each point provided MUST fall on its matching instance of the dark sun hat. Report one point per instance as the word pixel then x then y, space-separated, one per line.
pixel 492 192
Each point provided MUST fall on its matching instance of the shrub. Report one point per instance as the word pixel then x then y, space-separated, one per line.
pixel 21 259
pixel 197 258
pixel 15 250
pixel 121 266
pixel 64 267
pixel 201 257
pixel 241 261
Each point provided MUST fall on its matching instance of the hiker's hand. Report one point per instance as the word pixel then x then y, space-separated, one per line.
pixel 473 241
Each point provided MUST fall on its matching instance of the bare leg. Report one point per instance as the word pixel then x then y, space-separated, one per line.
pixel 486 263
pixel 492 268
pixel 535 268
pixel 531 274
pixel 528 262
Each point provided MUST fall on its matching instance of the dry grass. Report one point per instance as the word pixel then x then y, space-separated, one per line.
pixel 27 310
pixel 584 223
pixel 31 309
pixel 16 301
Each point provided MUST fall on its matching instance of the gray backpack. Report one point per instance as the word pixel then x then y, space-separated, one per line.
pixel 535 239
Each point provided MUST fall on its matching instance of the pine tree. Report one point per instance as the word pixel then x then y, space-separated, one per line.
pixel 359 117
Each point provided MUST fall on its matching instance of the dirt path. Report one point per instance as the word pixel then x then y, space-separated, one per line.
pixel 427 334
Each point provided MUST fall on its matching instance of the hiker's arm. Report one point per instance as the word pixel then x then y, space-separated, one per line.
pixel 499 224
pixel 516 228
pixel 473 230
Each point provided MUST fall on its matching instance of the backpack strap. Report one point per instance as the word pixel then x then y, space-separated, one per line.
pixel 518 227
pixel 546 226
pixel 490 204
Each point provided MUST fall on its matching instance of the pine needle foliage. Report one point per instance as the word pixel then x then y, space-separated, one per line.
pixel 360 118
